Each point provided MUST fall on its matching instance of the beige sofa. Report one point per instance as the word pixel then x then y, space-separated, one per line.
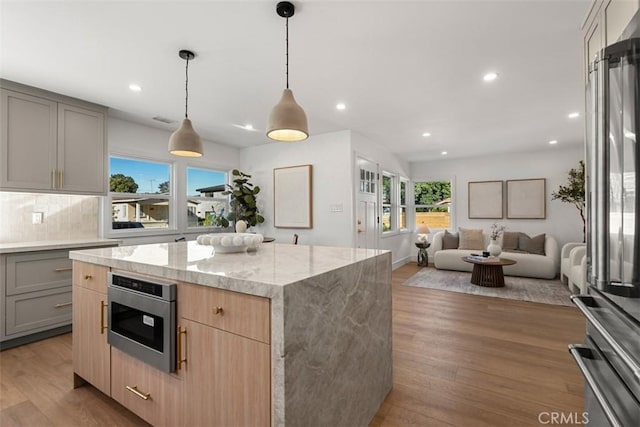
pixel 527 265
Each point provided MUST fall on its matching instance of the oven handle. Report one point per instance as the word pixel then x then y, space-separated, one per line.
pixel 181 331
pixel 579 353
pixel 103 327
pixel 579 301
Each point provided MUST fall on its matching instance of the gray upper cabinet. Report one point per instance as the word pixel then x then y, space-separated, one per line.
pixel 51 143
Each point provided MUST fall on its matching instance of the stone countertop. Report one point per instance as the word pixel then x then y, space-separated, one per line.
pixel 264 272
pixel 45 245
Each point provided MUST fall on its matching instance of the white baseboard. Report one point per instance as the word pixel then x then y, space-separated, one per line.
pixel 399 263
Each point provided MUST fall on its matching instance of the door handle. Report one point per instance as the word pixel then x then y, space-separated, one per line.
pixel 102 325
pixel 181 331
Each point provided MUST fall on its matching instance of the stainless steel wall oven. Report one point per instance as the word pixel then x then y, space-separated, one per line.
pixel 142 319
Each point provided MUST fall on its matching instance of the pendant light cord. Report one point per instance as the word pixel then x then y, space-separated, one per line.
pixel 186 89
pixel 287 43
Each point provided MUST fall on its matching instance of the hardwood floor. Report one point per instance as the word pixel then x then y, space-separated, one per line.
pixel 459 360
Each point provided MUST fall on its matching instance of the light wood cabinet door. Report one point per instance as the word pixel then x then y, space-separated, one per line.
pixel 90 276
pixel 81 150
pixel 242 314
pixel 91 352
pixel 154 396
pixel 28 142
pixel 227 378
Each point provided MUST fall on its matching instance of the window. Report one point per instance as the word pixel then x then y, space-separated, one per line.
pixel 206 205
pixel 388 203
pixel 140 193
pixel 402 208
pixel 433 204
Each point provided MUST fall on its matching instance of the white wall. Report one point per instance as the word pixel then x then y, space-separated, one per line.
pixel 136 140
pixel 330 155
pixel 553 163
pixel 401 244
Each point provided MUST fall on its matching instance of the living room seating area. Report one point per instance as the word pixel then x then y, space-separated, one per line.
pixel 536 257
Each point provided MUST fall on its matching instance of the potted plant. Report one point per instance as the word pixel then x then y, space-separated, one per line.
pixel 243 199
pixel 574 193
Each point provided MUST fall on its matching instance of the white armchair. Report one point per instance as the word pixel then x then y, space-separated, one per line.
pixel 578 270
pixel 565 266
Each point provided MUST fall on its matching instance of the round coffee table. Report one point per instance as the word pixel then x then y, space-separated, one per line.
pixel 488 272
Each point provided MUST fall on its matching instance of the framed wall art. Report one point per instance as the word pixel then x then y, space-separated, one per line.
pixel 485 199
pixel 526 198
pixel 292 197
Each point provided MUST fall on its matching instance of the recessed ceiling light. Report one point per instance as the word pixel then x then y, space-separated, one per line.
pixel 489 77
pixel 444 153
pixel 426 134
pixel 248 126
pixel 340 106
pixel 553 142
pixel 573 115
pixel 134 87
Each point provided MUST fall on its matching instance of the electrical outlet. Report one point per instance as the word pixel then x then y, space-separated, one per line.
pixel 36 217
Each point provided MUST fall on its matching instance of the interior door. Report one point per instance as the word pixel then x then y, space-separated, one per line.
pixel 367 215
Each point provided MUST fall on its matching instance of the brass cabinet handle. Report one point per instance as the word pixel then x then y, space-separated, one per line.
pixel 102 325
pixel 65 304
pixel 134 390
pixel 61 173
pixel 218 310
pixel 88 277
pixel 53 179
pixel 61 269
pixel 181 331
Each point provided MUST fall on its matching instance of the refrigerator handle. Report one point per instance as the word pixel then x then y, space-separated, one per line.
pixel 579 353
pixel 579 301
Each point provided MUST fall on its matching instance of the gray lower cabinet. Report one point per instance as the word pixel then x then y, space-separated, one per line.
pixel 36 295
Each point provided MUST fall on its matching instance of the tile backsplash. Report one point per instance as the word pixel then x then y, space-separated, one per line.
pixel 65 217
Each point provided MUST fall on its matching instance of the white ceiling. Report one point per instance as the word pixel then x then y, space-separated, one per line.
pixel 402 67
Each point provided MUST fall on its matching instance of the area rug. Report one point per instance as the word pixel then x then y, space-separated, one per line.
pixel 517 288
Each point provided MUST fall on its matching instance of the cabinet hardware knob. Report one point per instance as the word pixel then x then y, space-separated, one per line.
pixel 181 331
pixel 360 231
pixel 134 390
pixel 88 277
pixel 102 325
pixel 65 304
pixel 218 310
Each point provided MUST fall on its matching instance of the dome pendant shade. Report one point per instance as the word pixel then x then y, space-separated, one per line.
pixel 287 121
pixel 185 141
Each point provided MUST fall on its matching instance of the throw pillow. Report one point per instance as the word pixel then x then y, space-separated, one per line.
pixel 510 241
pixel 533 245
pixel 450 240
pixel 471 239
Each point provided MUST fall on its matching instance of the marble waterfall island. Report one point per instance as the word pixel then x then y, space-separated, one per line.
pixel 329 334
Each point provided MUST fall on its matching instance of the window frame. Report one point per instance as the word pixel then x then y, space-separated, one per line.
pixel 172 225
pixel 225 199
pixel 392 205
pixel 178 218
pixel 452 205
pixel 402 180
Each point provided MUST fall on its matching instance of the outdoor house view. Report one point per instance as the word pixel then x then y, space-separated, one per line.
pixel 141 195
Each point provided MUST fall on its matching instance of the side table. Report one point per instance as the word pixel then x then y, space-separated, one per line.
pixel 423 256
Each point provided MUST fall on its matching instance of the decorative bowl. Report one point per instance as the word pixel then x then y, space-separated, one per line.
pixel 226 243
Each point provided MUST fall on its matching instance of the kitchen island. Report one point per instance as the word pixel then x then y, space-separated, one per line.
pixel 327 327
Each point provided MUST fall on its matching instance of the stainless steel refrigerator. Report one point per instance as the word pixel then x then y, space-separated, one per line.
pixel 609 358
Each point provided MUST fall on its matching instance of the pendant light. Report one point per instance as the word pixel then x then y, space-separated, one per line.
pixel 185 141
pixel 287 121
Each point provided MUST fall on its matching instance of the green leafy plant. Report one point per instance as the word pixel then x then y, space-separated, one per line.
pixel 213 219
pixel 574 192
pixel 243 199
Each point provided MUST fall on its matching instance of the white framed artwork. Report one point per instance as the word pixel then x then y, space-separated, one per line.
pixel 292 197
pixel 526 198
pixel 485 200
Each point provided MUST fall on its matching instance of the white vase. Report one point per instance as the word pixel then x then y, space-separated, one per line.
pixel 494 248
pixel 241 226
